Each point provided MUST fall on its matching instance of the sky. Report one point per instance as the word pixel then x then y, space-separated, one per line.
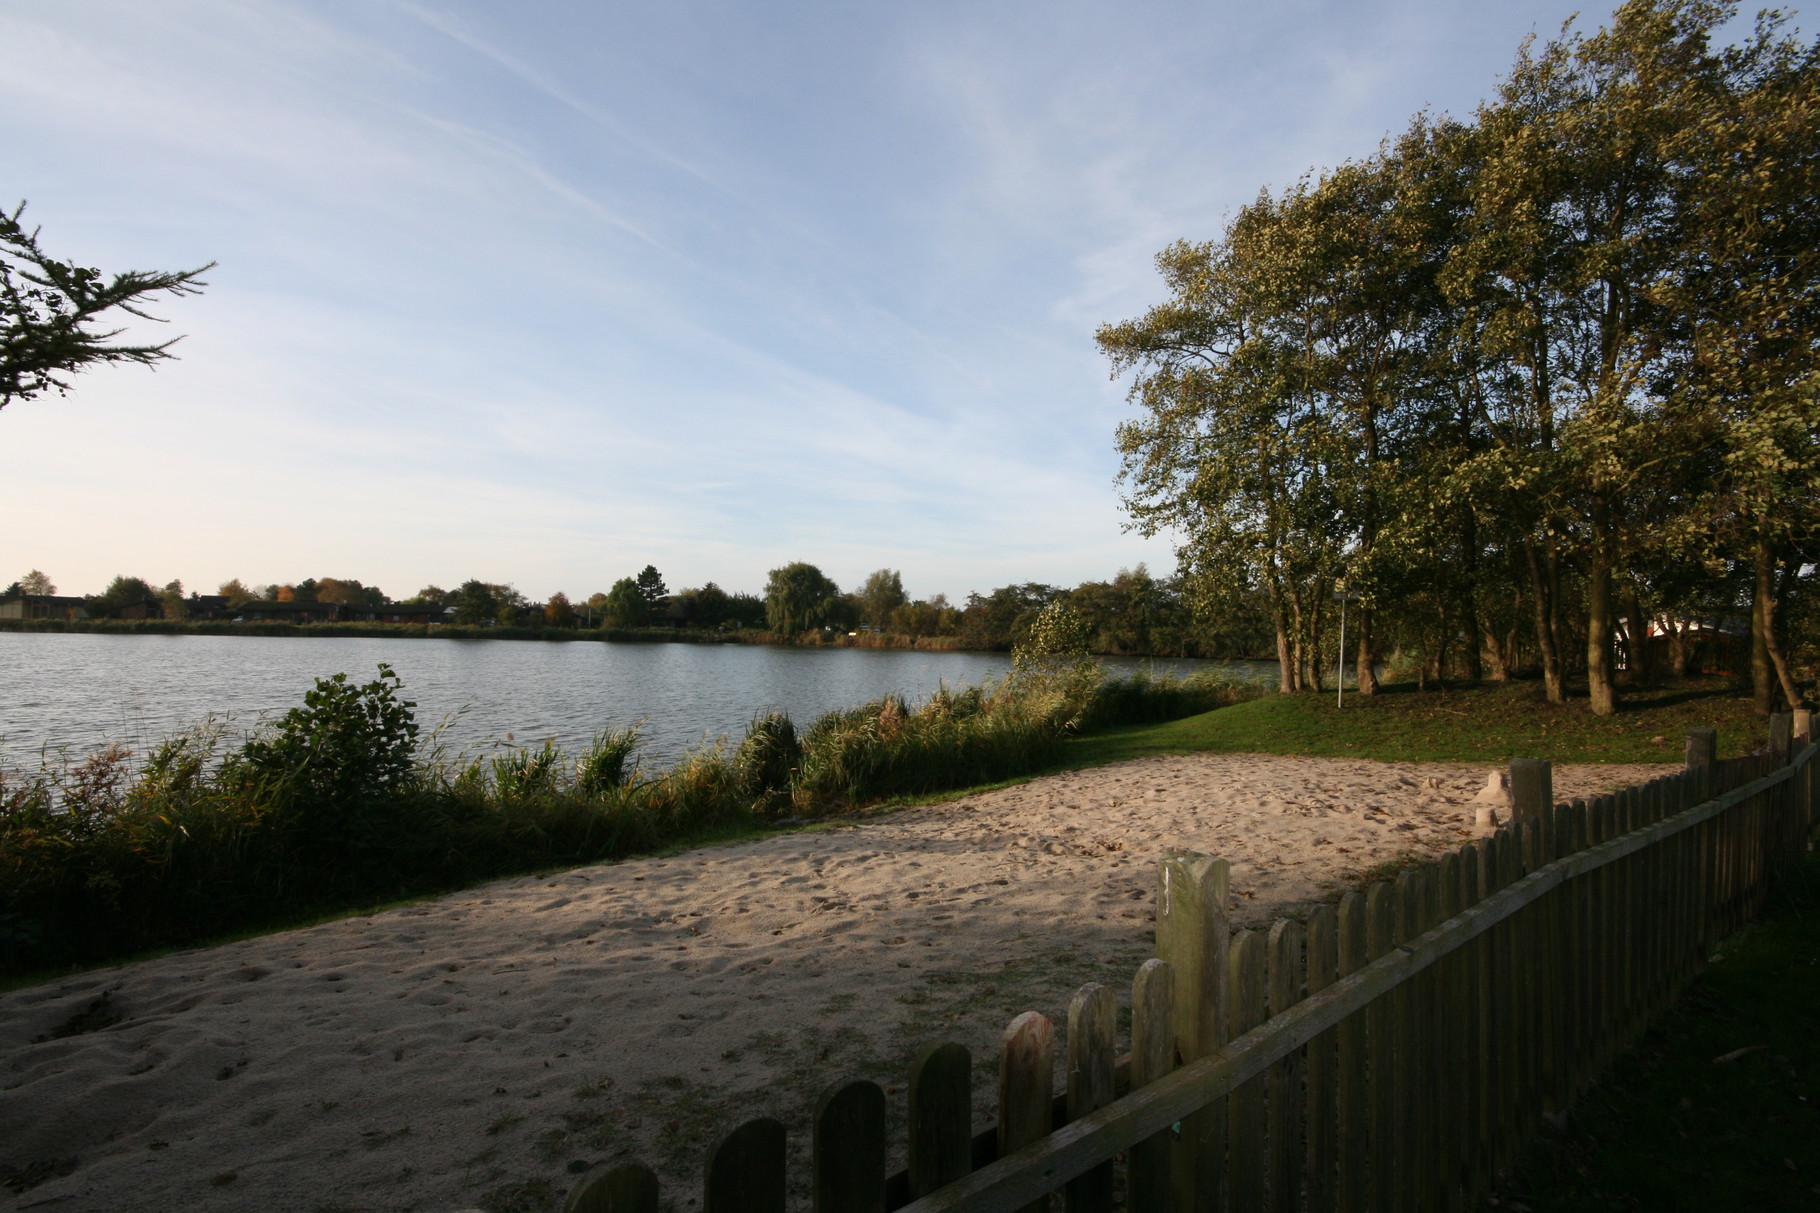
pixel 542 293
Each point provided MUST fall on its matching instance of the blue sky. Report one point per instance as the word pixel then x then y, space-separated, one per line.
pixel 544 292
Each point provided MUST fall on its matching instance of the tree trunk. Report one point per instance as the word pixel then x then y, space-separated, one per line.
pixel 1767 658
pixel 1545 631
pixel 1640 657
pixel 1600 684
pixel 1368 657
pixel 1677 647
pixel 1285 669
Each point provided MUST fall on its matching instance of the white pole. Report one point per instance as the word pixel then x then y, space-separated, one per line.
pixel 1340 674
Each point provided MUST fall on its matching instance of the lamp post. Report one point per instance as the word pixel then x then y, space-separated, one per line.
pixel 1343 597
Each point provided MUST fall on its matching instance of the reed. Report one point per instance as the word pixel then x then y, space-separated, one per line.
pixel 342 804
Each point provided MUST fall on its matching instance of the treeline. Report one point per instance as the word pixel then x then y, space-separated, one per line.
pixel 1133 614
pixel 1539 387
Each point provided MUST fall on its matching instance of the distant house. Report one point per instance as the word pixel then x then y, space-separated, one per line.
pixel 208 606
pixel 407 612
pixel 43 606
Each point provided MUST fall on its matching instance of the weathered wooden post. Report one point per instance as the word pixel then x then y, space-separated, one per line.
pixel 746 1170
pixel 941 1113
pixel 847 1157
pixel 1781 737
pixel 1532 788
pixel 1804 725
pixel 1192 936
pixel 1026 1077
pixel 1092 1055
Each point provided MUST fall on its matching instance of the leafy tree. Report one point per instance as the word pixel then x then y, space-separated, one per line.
pixel 882 594
pixel 235 592
pixel 170 598
pixel 798 598
pixel 558 612
pixel 121 593
pixel 48 308
pixel 35 582
pixel 434 595
pixel 348 590
pixel 625 606
pixel 475 603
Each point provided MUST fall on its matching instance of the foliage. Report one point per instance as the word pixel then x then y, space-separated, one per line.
pixel 34 582
pixel 335 805
pixel 1508 379
pixel 768 758
pixel 558 612
pixel 798 598
pixel 625 606
pixel 881 596
pixel 48 309
pixel 651 585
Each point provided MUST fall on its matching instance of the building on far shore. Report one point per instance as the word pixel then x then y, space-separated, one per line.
pixel 43 606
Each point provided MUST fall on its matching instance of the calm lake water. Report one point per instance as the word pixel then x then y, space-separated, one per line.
pixel 81 691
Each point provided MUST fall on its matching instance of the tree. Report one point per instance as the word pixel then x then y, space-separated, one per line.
pixel 651 585
pixel 171 599
pixel 475 603
pixel 121 593
pixel 882 594
pixel 798 598
pixel 558 612
pixel 236 593
pixel 36 582
pixel 348 590
pixel 434 595
pixel 48 309
pixel 625 607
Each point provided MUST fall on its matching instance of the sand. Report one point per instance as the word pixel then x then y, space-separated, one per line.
pixel 481 1050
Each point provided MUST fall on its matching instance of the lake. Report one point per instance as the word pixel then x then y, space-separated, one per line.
pixel 79 691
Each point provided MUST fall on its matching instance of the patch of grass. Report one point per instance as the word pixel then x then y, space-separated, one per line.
pixel 1487 722
pixel 1718 1107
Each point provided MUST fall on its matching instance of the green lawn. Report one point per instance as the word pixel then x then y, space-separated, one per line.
pixel 1486 723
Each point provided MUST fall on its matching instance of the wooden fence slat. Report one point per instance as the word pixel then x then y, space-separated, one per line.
pixel 1532 787
pixel 1380 1033
pixel 1026 1086
pixel 941 1114
pixel 847 1149
pixel 1092 1054
pixel 1352 1060
pixel 1321 1165
pixel 1410 1048
pixel 1286 975
pixel 1246 1127
pixel 1449 1045
pixel 627 1188
pixel 1479 1077
pixel 1192 935
pixel 1149 1174
pixel 746 1170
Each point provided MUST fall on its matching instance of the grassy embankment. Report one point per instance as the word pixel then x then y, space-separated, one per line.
pixel 339 805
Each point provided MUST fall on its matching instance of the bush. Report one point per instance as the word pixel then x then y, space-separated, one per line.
pixel 767 759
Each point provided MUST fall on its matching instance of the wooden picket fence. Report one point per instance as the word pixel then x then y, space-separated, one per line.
pixel 1391 1052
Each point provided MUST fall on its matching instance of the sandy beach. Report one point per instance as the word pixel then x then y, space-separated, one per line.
pixel 482 1049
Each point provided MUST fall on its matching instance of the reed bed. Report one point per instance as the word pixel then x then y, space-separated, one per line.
pixel 341 804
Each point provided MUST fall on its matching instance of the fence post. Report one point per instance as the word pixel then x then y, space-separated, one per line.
pixel 1323 1062
pixel 941 1115
pixel 1703 761
pixel 1026 1080
pixel 1246 1128
pixel 1193 937
pixel 1092 1051
pixel 1352 1117
pixel 628 1188
pixel 1152 1056
pixel 1287 974
pixel 1804 725
pixel 746 1170
pixel 1532 787
pixel 847 1149
pixel 1781 737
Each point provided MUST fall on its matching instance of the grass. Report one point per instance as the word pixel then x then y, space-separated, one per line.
pixel 1718 1107
pixel 1487 722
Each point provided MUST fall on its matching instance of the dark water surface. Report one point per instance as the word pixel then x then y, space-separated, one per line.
pixel 80 691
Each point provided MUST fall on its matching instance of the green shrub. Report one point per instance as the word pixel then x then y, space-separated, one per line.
pixel 767 759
